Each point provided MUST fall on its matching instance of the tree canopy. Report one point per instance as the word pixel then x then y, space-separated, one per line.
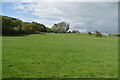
pixel 61 27
pixel 15 26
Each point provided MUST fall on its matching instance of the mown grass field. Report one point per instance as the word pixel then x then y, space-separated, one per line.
pixel 60 55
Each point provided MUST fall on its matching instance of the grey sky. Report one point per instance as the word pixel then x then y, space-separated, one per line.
pixel 83 16
pixel 88 16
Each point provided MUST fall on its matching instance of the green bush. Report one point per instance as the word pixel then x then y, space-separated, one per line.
pixel 118 35
pixel 89 33
pixel 98 34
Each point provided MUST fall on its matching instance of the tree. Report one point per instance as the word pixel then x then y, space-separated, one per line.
pixel 17 24
pixel 48 30
pixel 30 28
pixel 42 28
pixel 10 25
pixel 61 27
pixel 6 25
pixel 98 34
pixel 26 28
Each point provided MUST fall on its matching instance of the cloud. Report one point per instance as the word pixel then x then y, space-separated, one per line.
pixel 85 16
pixel 59 0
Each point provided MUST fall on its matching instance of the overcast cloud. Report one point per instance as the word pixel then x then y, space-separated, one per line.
pixel 83 16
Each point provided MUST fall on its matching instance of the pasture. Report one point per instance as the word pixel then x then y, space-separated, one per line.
pixel 59 55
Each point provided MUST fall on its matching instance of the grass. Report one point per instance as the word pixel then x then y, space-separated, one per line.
pixel 1 57
pixel 60 55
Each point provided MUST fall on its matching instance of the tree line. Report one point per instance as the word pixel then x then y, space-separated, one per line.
pixel 14 26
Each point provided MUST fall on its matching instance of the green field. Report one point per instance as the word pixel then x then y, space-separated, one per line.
pixel 60 55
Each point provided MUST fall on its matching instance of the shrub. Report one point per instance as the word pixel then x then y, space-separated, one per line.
pixel 69 31
pixel 75 31
pixel 98 34
pixel 89 33
pixel 118 35
pixel 109 35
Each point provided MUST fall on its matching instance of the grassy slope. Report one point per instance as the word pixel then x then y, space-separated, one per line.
pixel 60 55
pixel 0 57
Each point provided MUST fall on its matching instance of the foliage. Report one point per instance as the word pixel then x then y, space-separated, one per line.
pixel 75 31
pixel 98 34
pixel 49 30
pixel 89 33
pixel 15 26
pixel 61 27
pixel 30 28
pixel 10 25
pixel 118 35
